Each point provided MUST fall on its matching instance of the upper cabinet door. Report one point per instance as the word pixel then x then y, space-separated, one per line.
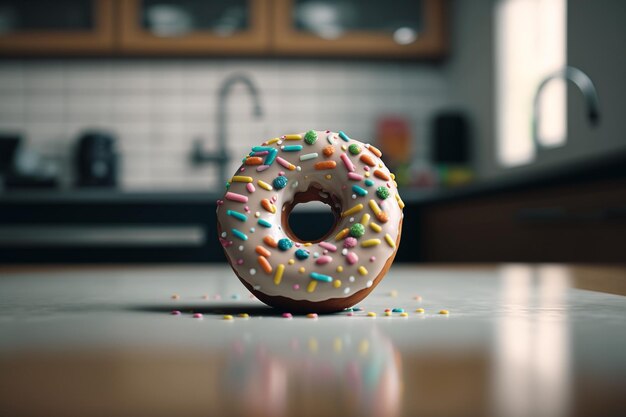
pixel 59 27
pixel 354 28
pixel 194 27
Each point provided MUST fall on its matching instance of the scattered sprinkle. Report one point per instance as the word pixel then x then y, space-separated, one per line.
pixel 197 316
pixel 444 312
pixel 175 313
pixel 354 149
pixel 287 315
pixel 311 315
pixel 371 314
pixel 227 317
pixel 310 137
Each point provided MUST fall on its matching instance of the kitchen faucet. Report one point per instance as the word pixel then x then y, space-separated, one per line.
pixel 221 156
pixel 586 87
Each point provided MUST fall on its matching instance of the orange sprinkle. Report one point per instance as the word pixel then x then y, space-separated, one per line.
pixel 254 160
pixel 378 173
pixel 269 241
pixel 375 151
pixel 267 205
pixel 342 234
pixel 382 217
pixel 366 159
pixel 262 251
pixel 328 150
pixel 265 264
pixel 326 165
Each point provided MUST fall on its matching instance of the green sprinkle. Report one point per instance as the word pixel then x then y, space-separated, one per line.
pixel 321 277
pixel 357 230
pixel 358 190
pixel 369 182
pixel 264 223
pixel 237 215
pixel 310 137
pixel 382 192
pixel 292 148
pixel 227 185
pixel 240 234
pixel 354 149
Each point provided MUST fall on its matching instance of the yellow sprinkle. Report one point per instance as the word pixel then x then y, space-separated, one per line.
pixel 264 185
pixel 328 176
pixel 371 314
pixel 387 313
pixel 393 293
pixel 293 137
pixel 395 184
pixel 366 175
pixel 362 270
pixel 273 140
pixel 400 202
pixel 354 209
pixel 301 270
pixel 419 310
pixel 279 274
pixel 444 312
pixel 243 315
pixel 340 268
pixel 365 219
pixel 228 317
pixel 241 178
pixel 291 262
pixel 337 283
pixel 175 296
pixel 370 242
pixel 404 314
pixel 342 234
pixel 375 207
pixel 390 241
pixel 344 147
pixel 307 244
pixel 375 227
pixel 393 176
pixel 311 286
pixel 380 165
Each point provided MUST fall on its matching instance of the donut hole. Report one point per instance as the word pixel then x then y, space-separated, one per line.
pixel 312 216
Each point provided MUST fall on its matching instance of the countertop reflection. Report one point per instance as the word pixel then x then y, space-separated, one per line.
pixel 519 341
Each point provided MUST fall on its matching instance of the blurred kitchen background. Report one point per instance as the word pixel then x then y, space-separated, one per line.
pixel 121 119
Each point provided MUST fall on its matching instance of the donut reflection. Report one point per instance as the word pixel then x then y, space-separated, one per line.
pixel 310 376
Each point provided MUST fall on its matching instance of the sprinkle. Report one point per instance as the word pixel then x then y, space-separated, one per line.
pixel 360 191
pixel 311 286
pixel 287 315
pixel 403 314
pixel 250 187
pixel 285 163
pixel 354 149
pixel 296 287
pixel 369 182
pixel 369 283
pixel 265 203
pixel 387 313
pixel 340 268
pixel 264 223
pixel 272 141
pixel 279 274
pixel 343 136
pixel 382 217
pixel 292 137
pixel 325 165
pixel 393 293
pixel 370 242
pixel 291 262
pixel 269 160
pixel 269 241
pixel 368 160
pixel 197 316
pixel 243 315
pixel 308 156
pixel 375 207
pixel 284 244
pixel 239 234
pixel 350 242
pixel 227 317
pixel 347 162
pixel 371 314
pixel 352 258
pixel 240 178
pixel 336 283
pixel 330 138
pixel 175 297
pixel 365 219
pixel 323 260
pixel 362 270
pixel 375 227
pixel 310 137
pixel 321 277
pixel 175 313
pixel 357 230
pixel 301 270
pixel 328 151
pixel 280 182
pixel 354 176
pixel 311 316
pixel 254 160
pixel 342 234
pixel 375 151
pixel 237 215
pixel 352 210
pixel 252 271
pixel 419 310
pixel 380 174
pixel 264 185
pixel 302 254
pixel 400 202
pixel 239 198
pixel 382 192
pixel 389 240
pixel 328 176
pixel 398 310
pixel 444 312
pixel 262 251
pixel 292 148
pixel 329 246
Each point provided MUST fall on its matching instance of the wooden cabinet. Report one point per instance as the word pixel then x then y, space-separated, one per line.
pixel 38 27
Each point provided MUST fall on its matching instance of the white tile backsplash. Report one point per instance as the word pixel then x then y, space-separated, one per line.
pixel 156 108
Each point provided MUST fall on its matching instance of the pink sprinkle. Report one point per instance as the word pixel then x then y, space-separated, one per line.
pixel 297 245
pixel 225 243
pixel 372 259
pixel 366 168
pixel 242 169
pixel 324 252
pixel 261 168
pixel 329 246
pixel 350 242
pixel 350 314
pixel 283 162
pixel 220 202
pixel 197 316
pixel 296 287
pixel 343 187
pixel 240 261
pixel 175 313
pixel 281 172
pixel 323 260
pixel 347 162
pixel 246 209
pixel 236 197
pixel 287 315
pixel 274 198
pixel 261 153
pixel 352 258
pixel 250 187
pixel 354 176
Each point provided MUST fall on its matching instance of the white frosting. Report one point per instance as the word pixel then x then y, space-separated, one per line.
pixel 241 232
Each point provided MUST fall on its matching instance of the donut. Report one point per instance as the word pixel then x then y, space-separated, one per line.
pixel 345 265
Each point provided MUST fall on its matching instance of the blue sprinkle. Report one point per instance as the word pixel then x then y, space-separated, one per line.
pixel 284 244
pixel 357 309
pixel 369 182
pixel 280 182
pixel 292 148
pixel 240 234
pixel 264 223
pixel 237 215
pixel 397 310
pixel 343 136
pixel 321 277
pixel 271 156
pixel 235 296
pixel 358 190
pixel 261 148
pixel 302 254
